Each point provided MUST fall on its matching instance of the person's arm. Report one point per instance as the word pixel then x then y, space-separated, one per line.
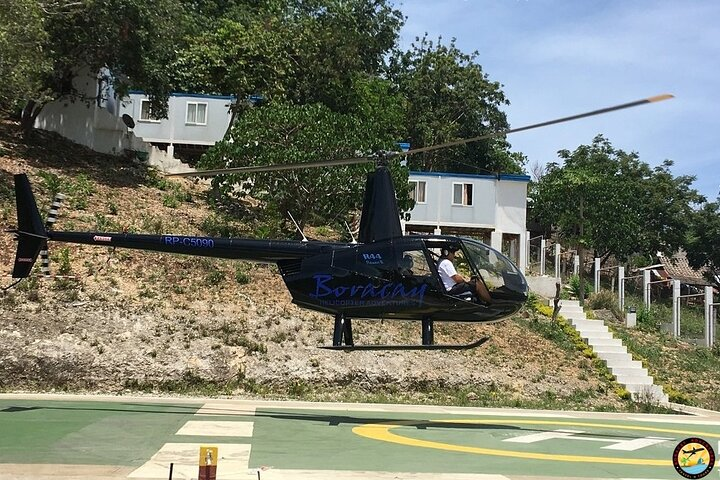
pixel 458 278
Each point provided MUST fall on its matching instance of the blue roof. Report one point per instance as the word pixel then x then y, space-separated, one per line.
pixel 502 176
pixel 191 95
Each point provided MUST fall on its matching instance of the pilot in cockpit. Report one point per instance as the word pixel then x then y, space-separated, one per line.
pixel 454 283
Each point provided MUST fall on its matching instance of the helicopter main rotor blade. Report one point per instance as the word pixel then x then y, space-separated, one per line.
pixel 274 168
pixel 657 98
pixel 373 158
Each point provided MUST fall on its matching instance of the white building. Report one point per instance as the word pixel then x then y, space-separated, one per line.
pixel 194 122
pixel 487 207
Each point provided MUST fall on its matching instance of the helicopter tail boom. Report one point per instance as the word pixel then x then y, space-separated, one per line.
pixel 31 233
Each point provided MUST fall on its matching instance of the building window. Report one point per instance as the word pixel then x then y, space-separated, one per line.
pixel 196 113
pixel 462 194
pixel 146 113
pixel 418 191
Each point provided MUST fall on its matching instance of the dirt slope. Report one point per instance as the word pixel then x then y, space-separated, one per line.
pixel 133 320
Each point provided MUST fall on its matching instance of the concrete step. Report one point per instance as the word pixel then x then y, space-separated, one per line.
pixel 564 309
pixel 590 327
pixel 634 380
pixel 615 359
pixel 611 364
pixel 609 349
pixel 570 302
pixel 605 342
pixel 631 371
pixel 592 336
pixel 648 393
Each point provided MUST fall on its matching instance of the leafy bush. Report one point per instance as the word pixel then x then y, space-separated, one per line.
pixel 574 287
pixel 605 300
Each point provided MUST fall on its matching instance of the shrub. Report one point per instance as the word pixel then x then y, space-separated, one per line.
pixel 574 287
pixel 605 300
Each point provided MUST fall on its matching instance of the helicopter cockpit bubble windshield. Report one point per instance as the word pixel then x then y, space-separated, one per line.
pixel 502 278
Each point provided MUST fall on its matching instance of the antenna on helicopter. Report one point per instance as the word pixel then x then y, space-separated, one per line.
pixel 298 227
pixel 351 234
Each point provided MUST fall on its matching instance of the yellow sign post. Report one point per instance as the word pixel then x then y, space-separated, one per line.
pixel 208 463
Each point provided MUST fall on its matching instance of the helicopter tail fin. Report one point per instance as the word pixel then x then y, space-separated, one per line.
pixel 31 234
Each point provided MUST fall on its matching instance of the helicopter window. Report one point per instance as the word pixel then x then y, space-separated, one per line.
pixel 491 265
pixel 414 262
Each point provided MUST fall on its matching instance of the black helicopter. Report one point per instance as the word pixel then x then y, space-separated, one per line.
pixel 384 275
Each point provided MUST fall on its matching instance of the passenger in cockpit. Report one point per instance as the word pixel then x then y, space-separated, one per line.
pixel 454 283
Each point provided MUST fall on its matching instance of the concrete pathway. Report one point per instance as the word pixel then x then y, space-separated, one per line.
pixel 629 372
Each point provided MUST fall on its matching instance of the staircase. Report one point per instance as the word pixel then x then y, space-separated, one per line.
pixel 628 372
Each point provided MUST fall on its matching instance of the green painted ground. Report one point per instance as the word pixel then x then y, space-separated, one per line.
pixel 112 433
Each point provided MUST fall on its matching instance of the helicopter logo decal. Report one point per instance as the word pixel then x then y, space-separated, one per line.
pixel 372 258
pixel 392 293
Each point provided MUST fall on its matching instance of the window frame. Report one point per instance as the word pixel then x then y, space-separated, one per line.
pixel 463 194
pixel 150 119
pixel 417 189
pixel 187 112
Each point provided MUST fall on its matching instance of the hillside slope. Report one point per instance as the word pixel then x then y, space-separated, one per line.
pixel 133 320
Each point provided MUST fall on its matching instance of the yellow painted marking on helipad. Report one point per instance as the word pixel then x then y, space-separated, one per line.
pixel 381 431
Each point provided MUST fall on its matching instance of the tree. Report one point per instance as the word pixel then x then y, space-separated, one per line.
pixel 703 242
pixel 23 59
pixel 608 201
pixel 449 97
pixel 135 39
pixel 297 51
pixel 282 133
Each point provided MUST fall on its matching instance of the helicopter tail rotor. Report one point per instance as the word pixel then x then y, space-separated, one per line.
pixel 31 233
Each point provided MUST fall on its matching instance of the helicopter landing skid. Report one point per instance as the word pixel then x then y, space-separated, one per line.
pixel 350 348
pixel 343 339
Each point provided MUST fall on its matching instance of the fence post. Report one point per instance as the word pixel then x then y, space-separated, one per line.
pixel 527 251
pixel 709 323
pixel 646 289
pixel 597 274
pixel 557 260
pixel 542 257
pixel 676 308
pixel 576 264
pixel 621 287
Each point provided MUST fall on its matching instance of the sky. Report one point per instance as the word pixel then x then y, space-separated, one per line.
pixel 556 58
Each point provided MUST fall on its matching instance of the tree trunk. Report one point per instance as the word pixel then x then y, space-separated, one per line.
pixel 556 303
pixel 29 115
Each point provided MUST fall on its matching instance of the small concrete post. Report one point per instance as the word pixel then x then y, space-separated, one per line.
pixel 631 318
pixel 576 264
pixel 621 287
pixel 557 260
pixel 646 288
pixel 437 231
pixel 542 256
pixel 709 320
pixel 676 308
pixel 597 275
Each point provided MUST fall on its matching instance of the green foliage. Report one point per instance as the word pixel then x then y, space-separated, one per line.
pixel 217 225
pixel 62 259
pixel 608 201
pixel 605 300
pixel 23 60
pixel 574 287
pixel 703 241
pixel 283 133
pixel 449 97
pixel 241 275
